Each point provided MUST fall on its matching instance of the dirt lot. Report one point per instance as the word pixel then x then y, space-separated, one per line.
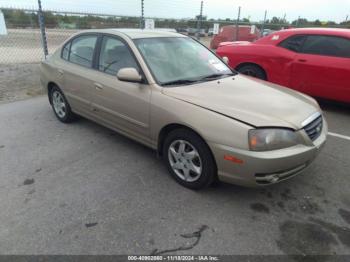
pixel 18 82
pixel 24 45
pixel 20 54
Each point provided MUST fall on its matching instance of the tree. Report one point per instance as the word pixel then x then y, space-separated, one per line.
pixel 317 22
pixel 301 21
pixel 275 20
pixel 51 20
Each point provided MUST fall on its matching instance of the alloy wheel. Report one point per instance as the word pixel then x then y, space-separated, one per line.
pixel 59 104
pixel 185 160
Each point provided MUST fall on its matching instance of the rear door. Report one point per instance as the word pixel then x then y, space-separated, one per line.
pixel 77 71
pixel 122 105
pixel 322 68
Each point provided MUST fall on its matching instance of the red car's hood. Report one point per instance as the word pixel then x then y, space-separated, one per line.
pixel 235 43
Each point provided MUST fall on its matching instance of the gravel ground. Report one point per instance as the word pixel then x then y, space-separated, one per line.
pixel 18 82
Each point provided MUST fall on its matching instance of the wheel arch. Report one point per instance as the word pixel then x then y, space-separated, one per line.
pixel 252 63
pixel 173 126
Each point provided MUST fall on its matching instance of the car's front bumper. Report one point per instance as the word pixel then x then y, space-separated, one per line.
pixel 253 169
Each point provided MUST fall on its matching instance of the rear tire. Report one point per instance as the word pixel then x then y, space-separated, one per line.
pixel 253 70
pixel 60 106
pixel 189 159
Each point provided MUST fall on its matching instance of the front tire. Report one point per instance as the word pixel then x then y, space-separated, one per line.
pixel 253 70
pixel 61 106
pixel 189 159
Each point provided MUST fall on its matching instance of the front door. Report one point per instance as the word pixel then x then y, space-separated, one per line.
pixel 122 105
pixel 322 68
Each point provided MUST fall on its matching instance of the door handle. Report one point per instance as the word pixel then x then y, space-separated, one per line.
pixel 98 86
pixel 302 60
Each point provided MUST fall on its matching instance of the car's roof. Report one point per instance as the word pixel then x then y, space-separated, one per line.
pixel 137 33
pixel 317 30
pixel 279 36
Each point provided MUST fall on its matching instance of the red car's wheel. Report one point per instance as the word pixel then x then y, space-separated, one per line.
pixel 253 70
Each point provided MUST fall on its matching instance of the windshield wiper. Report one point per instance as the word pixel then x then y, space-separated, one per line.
pixel 189 81
pixel 179 82
pixel 215 76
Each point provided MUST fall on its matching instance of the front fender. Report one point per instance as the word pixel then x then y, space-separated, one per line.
pixel 211 126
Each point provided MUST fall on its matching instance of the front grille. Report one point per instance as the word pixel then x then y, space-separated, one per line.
pixel 314 129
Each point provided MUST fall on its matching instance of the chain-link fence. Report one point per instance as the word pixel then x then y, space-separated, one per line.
pixel 24 40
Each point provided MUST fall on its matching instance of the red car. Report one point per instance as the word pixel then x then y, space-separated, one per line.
pixel 228 33
pixel 315 61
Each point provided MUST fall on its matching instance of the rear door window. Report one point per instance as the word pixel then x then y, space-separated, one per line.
pixel 327 46
pixel 293 43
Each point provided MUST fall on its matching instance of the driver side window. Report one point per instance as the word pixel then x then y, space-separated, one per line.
pixel 293 43
pixel 114 56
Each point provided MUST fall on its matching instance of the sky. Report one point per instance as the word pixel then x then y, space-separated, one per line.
pixel 324 10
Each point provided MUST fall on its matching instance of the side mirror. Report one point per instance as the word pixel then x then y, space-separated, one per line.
pixel 129 74
pixel 225 59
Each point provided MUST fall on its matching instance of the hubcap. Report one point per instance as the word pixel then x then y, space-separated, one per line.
pixel 58 104
pixel 185 161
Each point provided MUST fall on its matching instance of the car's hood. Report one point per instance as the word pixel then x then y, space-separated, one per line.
pixel 249 100
pixel 235 43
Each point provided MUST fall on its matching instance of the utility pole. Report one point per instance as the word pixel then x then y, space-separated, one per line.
pixel 263 24
pixel 237 23
pixel 142 15
pixel 346 19
pixel 42 29
pixel 199 21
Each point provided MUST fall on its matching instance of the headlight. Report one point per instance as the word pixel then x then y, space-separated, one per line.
pixel 271 139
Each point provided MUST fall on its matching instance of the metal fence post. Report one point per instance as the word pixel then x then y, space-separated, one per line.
pixel 42 29
pixel 142 15
pixel 199 21
pixel 263 25
pixel 237 23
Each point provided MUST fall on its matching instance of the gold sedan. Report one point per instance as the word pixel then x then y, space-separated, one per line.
pixel 169 92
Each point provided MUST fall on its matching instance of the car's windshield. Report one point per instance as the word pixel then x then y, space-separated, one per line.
pixel 180 60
